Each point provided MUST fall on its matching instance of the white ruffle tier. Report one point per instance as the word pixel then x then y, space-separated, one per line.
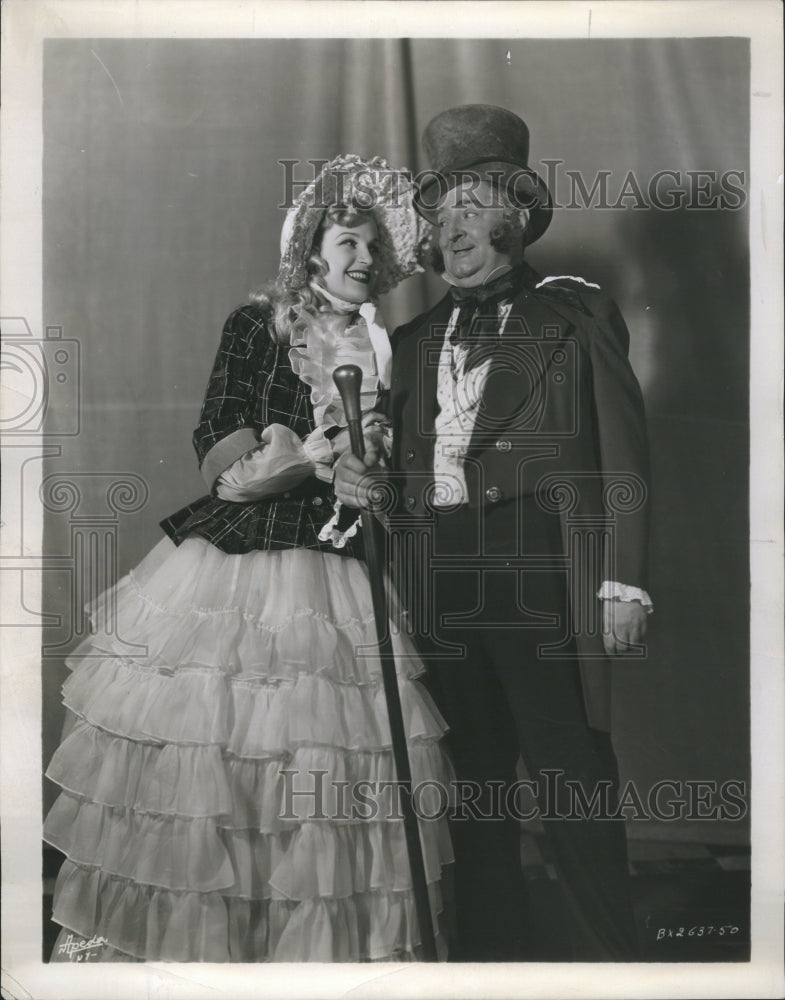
pixel 223 776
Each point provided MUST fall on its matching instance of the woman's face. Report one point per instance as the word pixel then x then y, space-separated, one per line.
pixel 352 255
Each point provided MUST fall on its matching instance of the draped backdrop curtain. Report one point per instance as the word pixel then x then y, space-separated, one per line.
pixel 162 195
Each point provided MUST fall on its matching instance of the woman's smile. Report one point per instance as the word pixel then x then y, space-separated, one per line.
pixel 358 275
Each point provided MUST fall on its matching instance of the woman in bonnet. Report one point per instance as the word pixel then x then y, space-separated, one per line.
pixel 206 810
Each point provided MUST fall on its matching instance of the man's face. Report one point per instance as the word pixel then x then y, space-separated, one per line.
pixel 465 220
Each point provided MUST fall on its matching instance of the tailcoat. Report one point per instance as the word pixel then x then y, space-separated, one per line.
pixel 561 419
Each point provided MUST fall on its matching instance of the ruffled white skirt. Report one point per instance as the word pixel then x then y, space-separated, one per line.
pixel 224 766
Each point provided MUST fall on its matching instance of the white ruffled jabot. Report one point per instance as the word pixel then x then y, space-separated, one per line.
pixel 324 347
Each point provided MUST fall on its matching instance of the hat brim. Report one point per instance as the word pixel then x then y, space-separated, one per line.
pixel 524 189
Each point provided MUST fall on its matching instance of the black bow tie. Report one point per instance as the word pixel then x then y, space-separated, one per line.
pixel 477 324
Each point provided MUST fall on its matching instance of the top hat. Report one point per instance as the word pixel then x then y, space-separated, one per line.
pixel 482 142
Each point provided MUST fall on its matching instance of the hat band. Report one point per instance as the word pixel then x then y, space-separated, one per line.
pixel 522 188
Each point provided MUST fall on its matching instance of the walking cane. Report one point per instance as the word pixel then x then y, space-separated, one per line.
pixel 348 379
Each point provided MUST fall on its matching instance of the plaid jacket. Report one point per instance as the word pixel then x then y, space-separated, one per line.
pixel 251 386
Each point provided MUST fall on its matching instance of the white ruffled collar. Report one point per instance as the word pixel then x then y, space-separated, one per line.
pixel 320 349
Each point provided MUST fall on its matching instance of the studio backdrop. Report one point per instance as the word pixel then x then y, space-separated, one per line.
pixel 163 197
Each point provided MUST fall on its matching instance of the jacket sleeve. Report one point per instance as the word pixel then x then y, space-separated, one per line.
pixel 225 430
pixel 623 444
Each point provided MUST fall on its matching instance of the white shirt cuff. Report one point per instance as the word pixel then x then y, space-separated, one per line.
pixel 319 450
pixel 610 590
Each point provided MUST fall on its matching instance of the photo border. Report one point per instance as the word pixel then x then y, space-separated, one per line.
pixel 25 24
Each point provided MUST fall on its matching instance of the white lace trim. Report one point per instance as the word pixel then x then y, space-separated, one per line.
pixel 567 277
pixel 330 532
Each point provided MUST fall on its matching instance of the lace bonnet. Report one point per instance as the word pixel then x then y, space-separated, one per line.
pixel 368 186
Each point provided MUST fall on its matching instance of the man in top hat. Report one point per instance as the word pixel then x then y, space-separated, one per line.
pixel 520 460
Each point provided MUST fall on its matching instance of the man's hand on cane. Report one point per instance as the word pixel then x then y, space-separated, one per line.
pixel 355 478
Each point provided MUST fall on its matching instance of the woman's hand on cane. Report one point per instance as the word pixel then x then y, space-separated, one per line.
pixel 373 424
